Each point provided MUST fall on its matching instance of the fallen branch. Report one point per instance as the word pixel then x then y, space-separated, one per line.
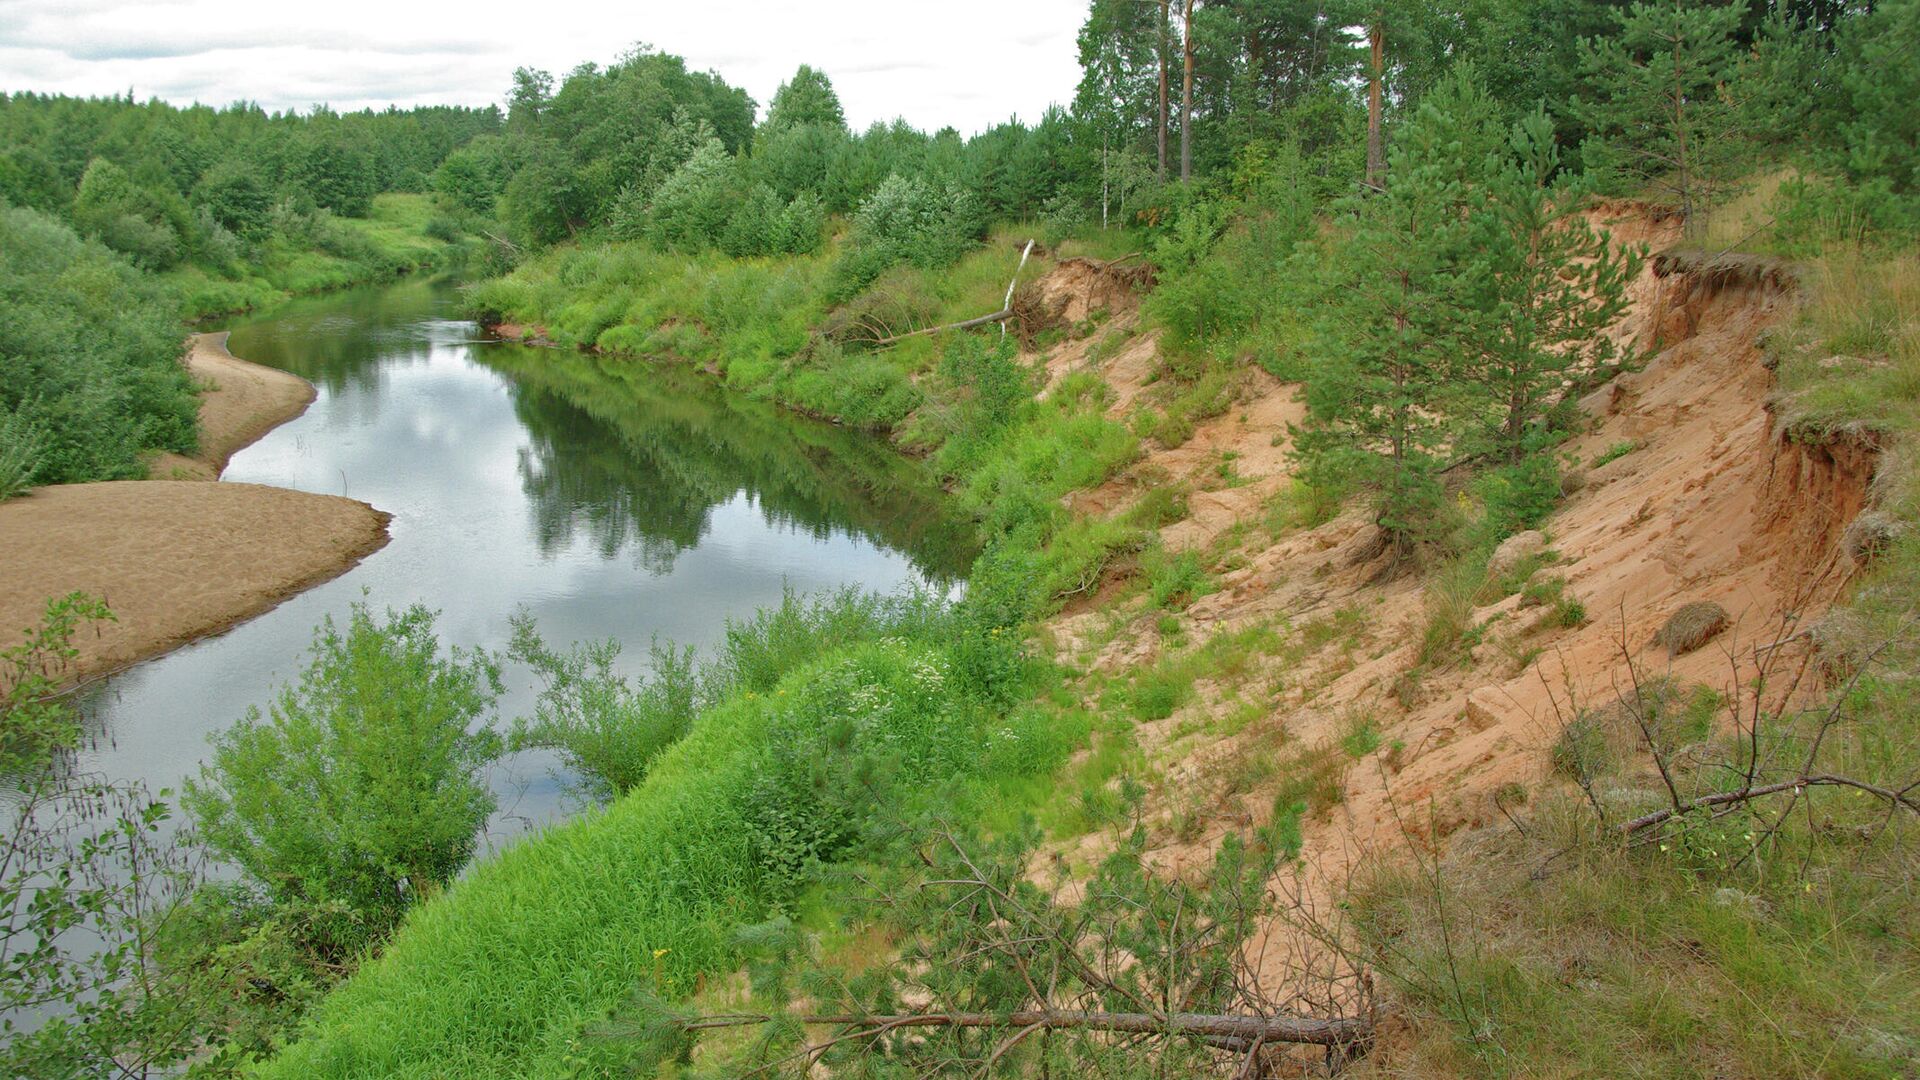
pixel 1001 316
pixel 968 324
pixel 1902 797
pixel 1337 1031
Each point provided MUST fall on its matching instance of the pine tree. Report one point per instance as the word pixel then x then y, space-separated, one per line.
pixel 1661 112
pixel 1545 285
pixel 1381 409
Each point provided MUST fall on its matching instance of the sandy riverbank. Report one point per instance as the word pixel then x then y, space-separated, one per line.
pixel 175 557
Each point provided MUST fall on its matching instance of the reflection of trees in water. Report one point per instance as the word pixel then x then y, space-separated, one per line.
pixel 582 477
pixel 343 340
pixel 636 455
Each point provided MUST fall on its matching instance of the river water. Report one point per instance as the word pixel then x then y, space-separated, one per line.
pixel 618 499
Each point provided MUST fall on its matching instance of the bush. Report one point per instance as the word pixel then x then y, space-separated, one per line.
pixel 90 372
pixel 692 209
pixel 605 730
pixel 36 721
pixel 361 790
pixel 19 455
pixel 909 221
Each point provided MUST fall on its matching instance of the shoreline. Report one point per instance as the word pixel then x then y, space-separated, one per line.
pixel 180 556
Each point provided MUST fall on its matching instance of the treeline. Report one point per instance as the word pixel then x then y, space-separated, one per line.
pixel 166 185
pixel 118 218
pixel 90 373
pixel 1188 89
pixel 646 150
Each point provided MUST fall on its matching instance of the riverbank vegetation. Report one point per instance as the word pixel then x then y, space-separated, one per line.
pixel 1707 884
pixel 122 219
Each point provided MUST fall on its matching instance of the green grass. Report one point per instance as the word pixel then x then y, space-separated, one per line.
pixel 762 324
pixel 502 974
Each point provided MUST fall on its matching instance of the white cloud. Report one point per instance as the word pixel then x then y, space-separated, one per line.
pixel 968 66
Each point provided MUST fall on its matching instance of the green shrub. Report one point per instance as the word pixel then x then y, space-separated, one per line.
pixel 606 731
pixel 362 788
pixel 908 220
pixel 37 721
pixel 90 372
pixel 1174 581
pixel 1616 452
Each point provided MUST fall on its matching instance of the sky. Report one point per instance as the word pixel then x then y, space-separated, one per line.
pixel 966 65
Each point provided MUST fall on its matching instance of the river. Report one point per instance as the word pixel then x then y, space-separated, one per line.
pixel 610 498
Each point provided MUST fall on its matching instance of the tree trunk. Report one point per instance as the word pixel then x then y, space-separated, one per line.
pixel 1376 149
pixel 1339 1031
pixel 1186 97
pixel 1162 127
pixel 1105 187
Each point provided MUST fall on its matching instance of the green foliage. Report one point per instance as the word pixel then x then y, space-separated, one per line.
pixel 1882 135
pixel 1517 497
pixel 841 717
pixel 87 878
pixel 90 376
pixel 1615 452
pixel 19 455
pixel 806 99
pixel 361 790
pixel 36 721
pixel 1174 581
pixel 908 220
pixel 606 731
pixel 693 205
pixel 1548 285
pixel 1379 412
pixel 970 921
pixel 1657 107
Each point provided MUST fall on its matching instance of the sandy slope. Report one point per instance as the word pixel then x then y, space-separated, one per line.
pixel 1713 505
pixel 178 559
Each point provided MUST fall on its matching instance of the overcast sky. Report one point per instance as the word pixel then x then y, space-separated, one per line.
pixel 969 65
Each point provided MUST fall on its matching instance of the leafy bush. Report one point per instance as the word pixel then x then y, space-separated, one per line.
pixel 605 730
pixel 36 721
pixel 19 455
pixel 692 209
pixel 909 221
pixel 1520 496
pixel 90 372
pixel 361 790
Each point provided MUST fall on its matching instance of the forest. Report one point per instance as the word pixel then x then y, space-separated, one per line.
pixel 903 835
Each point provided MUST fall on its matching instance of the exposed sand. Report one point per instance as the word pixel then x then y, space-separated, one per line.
pixel 178 559
pixel 246 401
pixel 1713 504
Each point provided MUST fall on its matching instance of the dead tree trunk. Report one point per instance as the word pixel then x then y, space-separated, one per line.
pixel 1001 316
pixel 1376 147
pixel 1186 97
pixel 1336 1031
pixel 1162 168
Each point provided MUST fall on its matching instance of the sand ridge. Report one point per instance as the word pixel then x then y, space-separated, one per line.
pixel 180 558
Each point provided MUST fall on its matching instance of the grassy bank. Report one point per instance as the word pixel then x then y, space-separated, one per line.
pixel 763 324
pixel 860 717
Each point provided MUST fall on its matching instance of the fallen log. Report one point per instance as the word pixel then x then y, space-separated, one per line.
pixel 1001 316
pixel 1335 1031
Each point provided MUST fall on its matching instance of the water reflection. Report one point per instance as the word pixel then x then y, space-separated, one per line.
pixel 611 499
pixel 637 456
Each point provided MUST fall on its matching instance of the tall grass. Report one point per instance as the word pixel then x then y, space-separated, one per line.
pixel 845 714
